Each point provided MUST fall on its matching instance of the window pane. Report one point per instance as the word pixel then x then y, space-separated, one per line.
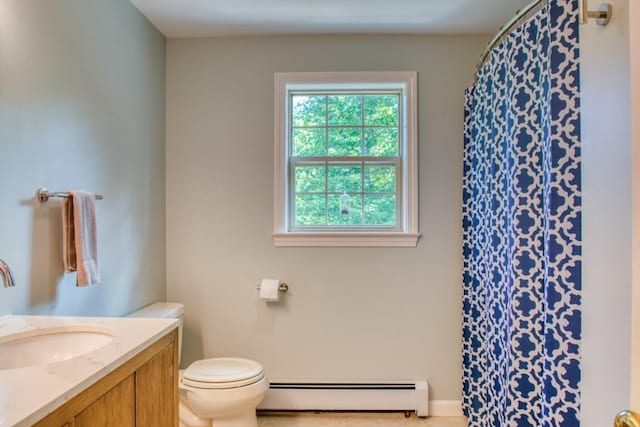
pixel 310 179
pixel 379 209
pixel 381 110
pixel 345 142
pixel 310 209
pixel 345 209
pixel 345 110
pixel 381 141
pixel 309 110
pixel 345 178
pixel 309 142
pixel 379 179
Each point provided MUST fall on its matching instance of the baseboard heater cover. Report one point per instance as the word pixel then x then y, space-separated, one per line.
pixel 347 395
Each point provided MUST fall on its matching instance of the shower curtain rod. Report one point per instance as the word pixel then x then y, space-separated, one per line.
pixel 602 16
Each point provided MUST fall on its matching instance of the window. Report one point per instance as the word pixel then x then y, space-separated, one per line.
pixel 345 159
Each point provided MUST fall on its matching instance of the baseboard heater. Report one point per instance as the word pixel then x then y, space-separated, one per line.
pixel 347 395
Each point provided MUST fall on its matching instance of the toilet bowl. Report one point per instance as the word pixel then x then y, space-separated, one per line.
pixel 225 390
pixel 219 392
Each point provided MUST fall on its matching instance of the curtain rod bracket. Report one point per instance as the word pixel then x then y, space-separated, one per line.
pixel 602 15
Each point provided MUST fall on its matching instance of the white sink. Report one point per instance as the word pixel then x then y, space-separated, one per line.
pixel 49 345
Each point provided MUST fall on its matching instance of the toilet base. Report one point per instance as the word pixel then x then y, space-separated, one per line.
pixel 187 418
pixel 242 419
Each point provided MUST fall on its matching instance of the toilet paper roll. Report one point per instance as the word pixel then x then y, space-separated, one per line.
pixel 270 290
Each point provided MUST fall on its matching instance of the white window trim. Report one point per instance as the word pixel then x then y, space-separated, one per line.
pixel 408 236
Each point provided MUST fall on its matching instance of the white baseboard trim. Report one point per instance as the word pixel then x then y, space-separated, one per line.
pixel 445 408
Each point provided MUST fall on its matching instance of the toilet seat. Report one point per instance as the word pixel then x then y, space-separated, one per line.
pixel 222 373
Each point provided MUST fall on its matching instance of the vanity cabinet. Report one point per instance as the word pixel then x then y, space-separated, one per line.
pixel 115 408
pixel 142 392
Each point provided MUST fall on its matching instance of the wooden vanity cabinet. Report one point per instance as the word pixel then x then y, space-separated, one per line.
pixel 143 392
pixel 115 408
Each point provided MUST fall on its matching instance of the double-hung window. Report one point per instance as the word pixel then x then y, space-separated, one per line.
pixel 346 159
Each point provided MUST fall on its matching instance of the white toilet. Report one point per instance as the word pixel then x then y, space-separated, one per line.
pixel 219 392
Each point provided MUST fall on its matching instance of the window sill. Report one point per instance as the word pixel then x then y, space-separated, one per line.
pixel 353 240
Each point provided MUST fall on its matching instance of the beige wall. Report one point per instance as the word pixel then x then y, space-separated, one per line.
pixel 351 313
pixel 81 107
pixel 607 221
pixel 634 48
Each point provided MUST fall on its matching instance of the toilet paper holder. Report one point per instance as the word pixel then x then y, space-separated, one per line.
pixel 282 288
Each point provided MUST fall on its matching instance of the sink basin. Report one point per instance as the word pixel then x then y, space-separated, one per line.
pixel 49 345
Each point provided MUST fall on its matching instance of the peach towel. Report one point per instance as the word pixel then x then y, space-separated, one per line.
pixel 79 237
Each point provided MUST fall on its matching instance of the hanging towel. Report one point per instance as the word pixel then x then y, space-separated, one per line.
pixel 79 237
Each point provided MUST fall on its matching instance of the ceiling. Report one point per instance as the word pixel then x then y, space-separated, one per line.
pixel 203 18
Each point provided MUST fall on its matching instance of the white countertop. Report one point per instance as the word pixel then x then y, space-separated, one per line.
pixel 29 394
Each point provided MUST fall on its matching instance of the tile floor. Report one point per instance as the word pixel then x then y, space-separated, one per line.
pixel 295 419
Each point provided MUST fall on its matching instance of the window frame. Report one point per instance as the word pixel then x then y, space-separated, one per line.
pixel 405 234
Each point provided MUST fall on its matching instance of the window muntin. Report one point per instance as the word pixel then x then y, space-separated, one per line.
pixel 345 160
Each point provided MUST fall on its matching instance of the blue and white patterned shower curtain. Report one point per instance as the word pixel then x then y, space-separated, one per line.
pixel 522 229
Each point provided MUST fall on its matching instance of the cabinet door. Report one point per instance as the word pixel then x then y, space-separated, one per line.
pixel 157 390
pixel 114 409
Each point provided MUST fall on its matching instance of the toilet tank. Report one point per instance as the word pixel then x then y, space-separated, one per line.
pixel 164 310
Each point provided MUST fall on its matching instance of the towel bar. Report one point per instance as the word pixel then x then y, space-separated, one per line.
pixel 43 194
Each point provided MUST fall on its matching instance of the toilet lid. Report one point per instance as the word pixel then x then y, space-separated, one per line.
pixel 223 372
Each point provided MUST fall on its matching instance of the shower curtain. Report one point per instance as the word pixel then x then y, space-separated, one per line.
pixel 521 228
